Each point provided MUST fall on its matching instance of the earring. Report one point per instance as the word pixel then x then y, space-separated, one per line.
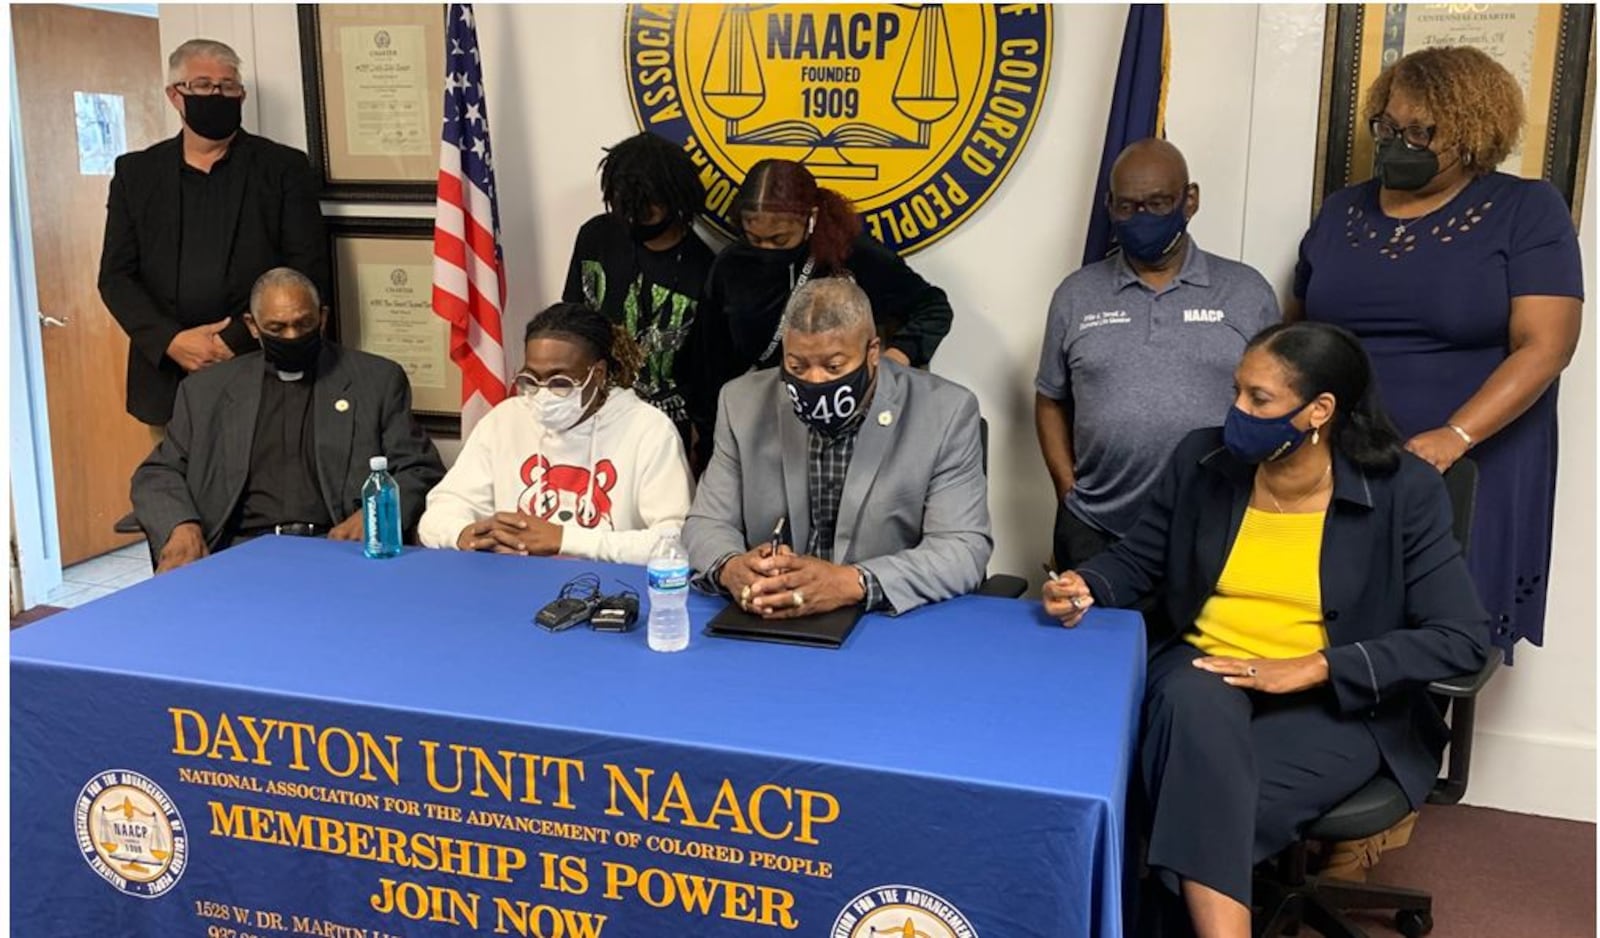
pixel 1315 437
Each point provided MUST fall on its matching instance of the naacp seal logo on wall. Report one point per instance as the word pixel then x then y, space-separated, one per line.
pixel 915 112
pixel 901 912
pixel 130 833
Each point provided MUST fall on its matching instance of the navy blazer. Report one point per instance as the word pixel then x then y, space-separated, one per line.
pixel 1398 603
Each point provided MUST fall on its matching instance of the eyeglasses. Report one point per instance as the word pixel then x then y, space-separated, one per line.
pixel 227 87
pixel 1124 209
pixel 559 386
pixel 1414 136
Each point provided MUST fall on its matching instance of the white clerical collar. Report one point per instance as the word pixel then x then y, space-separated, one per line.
pixel 288 375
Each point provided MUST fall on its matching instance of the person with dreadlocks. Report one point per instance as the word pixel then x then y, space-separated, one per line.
pixel 641 263
pixel 574 463
pixel 791 231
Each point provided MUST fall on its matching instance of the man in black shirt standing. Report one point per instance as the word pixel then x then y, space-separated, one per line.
pixel 191 222
pixel 642 264
pixel 277 441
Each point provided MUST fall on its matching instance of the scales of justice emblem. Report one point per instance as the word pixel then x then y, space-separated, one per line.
pixel 133 838
pixel 914 112
pixel 130 833
pixel 924 92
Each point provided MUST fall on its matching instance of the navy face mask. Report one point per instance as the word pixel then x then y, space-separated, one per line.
pixel 1149 238
pixel 1256 440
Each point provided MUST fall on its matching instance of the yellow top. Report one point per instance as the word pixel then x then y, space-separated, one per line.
pixel 1268 602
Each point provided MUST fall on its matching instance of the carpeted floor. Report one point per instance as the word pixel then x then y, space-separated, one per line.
pixel 1494 874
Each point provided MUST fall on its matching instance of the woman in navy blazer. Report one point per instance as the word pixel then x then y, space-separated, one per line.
pixel 1239 753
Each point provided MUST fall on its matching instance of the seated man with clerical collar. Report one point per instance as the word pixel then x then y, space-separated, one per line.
pixel 876 470
pixel 278 442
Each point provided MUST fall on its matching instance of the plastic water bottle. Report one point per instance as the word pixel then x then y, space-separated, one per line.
pixel 668 628
pixel 380 511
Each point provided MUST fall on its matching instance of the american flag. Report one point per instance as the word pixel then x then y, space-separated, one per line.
pixel 469 280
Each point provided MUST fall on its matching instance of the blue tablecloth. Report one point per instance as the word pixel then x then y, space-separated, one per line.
pixel 288 738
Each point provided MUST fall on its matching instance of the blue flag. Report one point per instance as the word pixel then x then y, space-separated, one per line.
pixel 1138 105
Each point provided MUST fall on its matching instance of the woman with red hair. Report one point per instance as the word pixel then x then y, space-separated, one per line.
pixel 792 230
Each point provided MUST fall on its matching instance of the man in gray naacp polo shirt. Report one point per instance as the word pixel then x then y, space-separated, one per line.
pixel 1139 350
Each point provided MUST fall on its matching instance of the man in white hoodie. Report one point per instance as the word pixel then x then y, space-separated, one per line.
pixel 574 463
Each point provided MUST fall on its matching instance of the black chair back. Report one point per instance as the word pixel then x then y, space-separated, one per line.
pixel 1461 482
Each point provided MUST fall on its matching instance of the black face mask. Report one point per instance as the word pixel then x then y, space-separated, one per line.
pixel 642 232
pixel 827 407
pixel 213 116
pixel 780 257
pixel 292 355
pixel 1400 167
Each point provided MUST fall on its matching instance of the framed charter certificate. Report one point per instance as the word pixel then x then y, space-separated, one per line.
pixel 382 303
pixel 374 85
pixel 1547 47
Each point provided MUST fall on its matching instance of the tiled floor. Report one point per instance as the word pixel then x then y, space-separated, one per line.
pixel 101 576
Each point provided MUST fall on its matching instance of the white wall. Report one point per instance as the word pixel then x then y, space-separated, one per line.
pixel 1243 107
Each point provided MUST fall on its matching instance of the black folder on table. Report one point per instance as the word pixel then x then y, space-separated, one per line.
pixel 824 630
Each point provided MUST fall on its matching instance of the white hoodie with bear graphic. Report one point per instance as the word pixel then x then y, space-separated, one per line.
pixel 616 482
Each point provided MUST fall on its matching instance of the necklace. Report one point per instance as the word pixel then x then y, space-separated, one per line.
pixel 1402 224
pixel 1315 488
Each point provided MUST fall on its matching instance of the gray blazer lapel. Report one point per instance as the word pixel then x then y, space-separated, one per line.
pixel 873 440
pixel 335 429
pixel 792 435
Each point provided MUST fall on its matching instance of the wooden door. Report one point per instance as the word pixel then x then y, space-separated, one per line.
pixel 64 55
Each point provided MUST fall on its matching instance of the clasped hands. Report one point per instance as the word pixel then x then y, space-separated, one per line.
pixel 1067 598
pixel 786 585
pixel 512 532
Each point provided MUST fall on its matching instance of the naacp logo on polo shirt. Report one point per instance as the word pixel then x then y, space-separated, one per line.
pixel 1204 315
pixel 901 912
pixel 915 112
pixel 130 833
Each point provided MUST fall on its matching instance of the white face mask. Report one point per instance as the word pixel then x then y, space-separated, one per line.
pixel 556 413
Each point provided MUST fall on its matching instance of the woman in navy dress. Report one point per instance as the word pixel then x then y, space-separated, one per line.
pixel 1466 287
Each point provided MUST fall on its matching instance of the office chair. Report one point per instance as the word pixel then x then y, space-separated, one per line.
pixel 1292 897
pixel 1003 585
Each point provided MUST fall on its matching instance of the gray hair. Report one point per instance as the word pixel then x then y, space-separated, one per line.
pixel 828 304
pixel 178 61
pixel 282 278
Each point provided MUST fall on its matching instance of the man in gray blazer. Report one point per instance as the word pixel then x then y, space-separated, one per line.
pixel 277 441
pixel 875 469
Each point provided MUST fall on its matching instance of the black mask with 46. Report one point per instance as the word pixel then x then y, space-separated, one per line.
pixel 828 406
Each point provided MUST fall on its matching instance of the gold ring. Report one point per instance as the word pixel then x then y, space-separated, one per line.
pixel 799 599
pixel 744 594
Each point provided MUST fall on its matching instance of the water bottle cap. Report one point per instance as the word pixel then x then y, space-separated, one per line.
pixel 379 463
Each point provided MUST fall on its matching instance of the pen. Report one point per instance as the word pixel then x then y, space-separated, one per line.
pixel 777 536
pixel 1076 602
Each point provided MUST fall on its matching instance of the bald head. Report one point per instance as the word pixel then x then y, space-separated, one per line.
pixel 1151 154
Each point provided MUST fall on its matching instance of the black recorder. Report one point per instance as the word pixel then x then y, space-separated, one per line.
pixel 573 607
pixel 617 613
